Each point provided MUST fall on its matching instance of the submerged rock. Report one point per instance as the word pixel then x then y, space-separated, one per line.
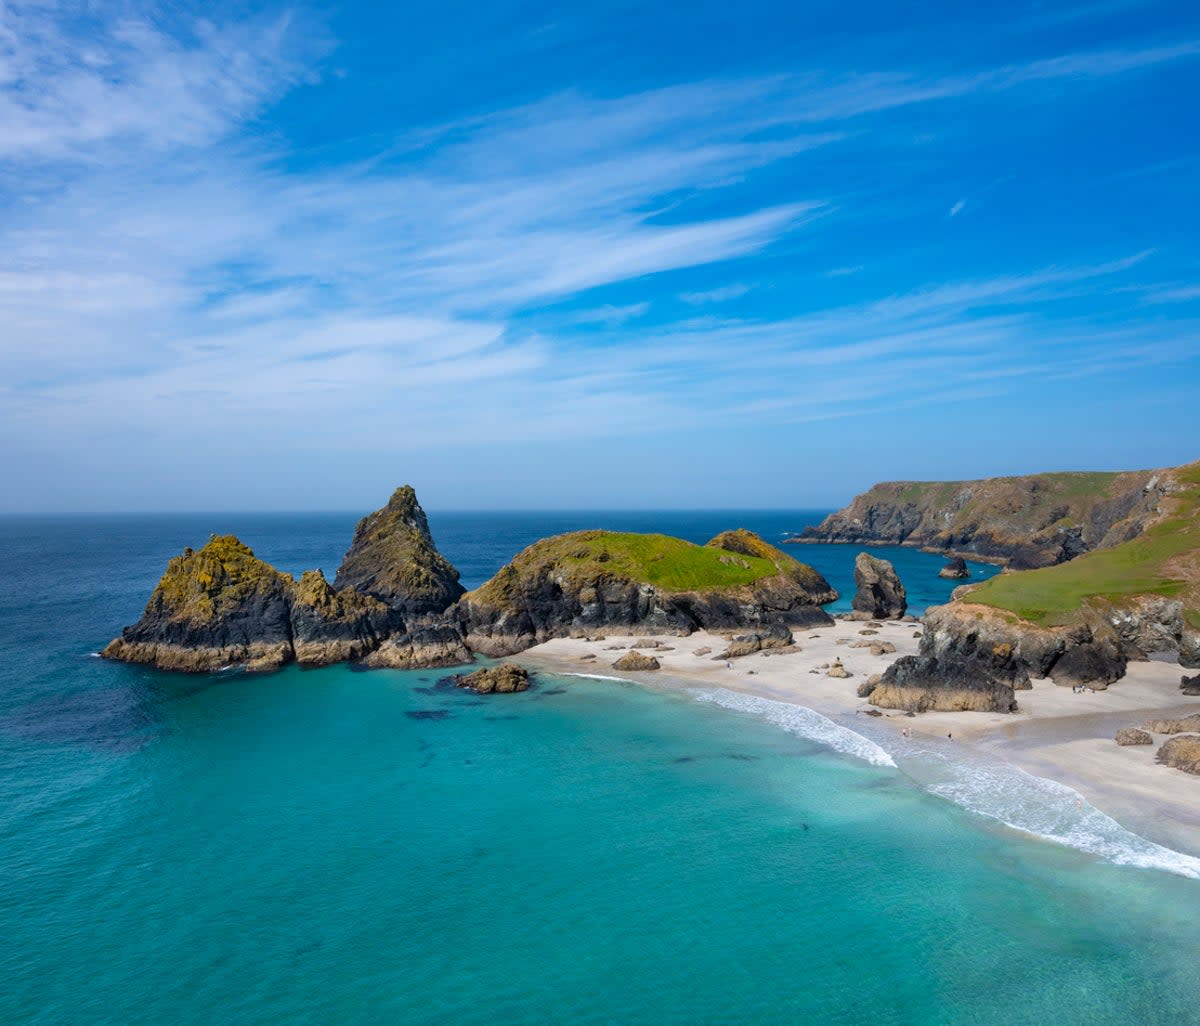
pixel 1133 736
pixel 879 595
pixel 503 679
pixel 1181 752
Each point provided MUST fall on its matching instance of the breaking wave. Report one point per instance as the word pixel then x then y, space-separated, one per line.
pixel 804 722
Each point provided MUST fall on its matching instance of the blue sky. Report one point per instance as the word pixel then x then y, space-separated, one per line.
pixel 531 255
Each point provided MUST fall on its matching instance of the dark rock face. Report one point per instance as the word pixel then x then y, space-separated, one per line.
pixel 1127 736
pixel 1182 752
pixel 428 644
pixel 1190 685
pixel 923 683
pixel 1027 522
pixel 955 569
pixel 331 626
pixel 213 608
pixel 393 558
pixel 222 606
pixel 503 679
pixel 879 595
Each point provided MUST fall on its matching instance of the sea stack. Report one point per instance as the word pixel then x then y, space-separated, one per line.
pixel 879 595
pixel 393 558
pixel 955 569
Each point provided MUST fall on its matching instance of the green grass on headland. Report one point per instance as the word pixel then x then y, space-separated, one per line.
pixel 1165 560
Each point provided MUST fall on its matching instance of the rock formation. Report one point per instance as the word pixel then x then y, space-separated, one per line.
pixel 215 607
pixel 1182 752
pixel 1181 725
pixel 879 594
pixel 503 679
pixel 393 558
pixel 222 606
pixel 955 569
pixel 576 583
pixel 774 637
pixel 636 661
pixel 1127 736
pixel 1190 685
pixel 1032 521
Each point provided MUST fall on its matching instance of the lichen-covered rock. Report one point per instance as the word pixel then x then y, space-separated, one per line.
pixel 1181 725
pixel 503 679
pixel 393 558
pixel 636 661
pixel 1182 752
pixel 215 607
pixel 331 626
pixel 1127 736
pixel 879 594
pixel 637 584
pixel 955 569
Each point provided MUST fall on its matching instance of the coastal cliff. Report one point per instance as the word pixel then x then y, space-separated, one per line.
pixel 1033 521
pixel 588 580
pixel 1078 623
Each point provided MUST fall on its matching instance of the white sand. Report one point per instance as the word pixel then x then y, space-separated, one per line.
pixel 1055 733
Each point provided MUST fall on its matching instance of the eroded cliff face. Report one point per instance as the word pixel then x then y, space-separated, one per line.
pixel 582 582
pixel 1032 521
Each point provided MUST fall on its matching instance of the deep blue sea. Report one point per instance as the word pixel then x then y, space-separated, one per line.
pixel 343 847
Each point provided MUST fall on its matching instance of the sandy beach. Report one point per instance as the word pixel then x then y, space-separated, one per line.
pixel 1056 733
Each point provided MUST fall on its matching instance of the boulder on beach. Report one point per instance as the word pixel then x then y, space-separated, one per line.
pixel 636 661
pixel 1173 726
pixel 837 670
pixel 1181 752
pixel 1133 736
pixel 1190 685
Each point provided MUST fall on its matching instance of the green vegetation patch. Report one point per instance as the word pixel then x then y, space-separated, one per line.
pixel 670 564
pixel 208 583
pixel 1155 563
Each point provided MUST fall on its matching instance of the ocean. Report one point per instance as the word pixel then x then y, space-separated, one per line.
pixel 336 846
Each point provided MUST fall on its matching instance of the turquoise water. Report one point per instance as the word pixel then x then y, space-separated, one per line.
pixel 336 846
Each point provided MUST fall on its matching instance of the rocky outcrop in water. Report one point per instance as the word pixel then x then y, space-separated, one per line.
pixel 955 569
pixel 575 584
pixel 879 594
pixel 214 607
pixel 393 558
pixel 1031 521
pixel 501 680
pixel 222 606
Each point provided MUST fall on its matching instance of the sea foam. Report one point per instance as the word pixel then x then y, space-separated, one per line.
pixel 802 721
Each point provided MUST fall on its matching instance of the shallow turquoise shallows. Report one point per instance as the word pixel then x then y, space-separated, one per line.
pixel 347 847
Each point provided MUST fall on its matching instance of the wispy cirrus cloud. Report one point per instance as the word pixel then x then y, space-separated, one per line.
pixel 162 264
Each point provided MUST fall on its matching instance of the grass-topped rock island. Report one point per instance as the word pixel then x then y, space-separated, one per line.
pixel 397 602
